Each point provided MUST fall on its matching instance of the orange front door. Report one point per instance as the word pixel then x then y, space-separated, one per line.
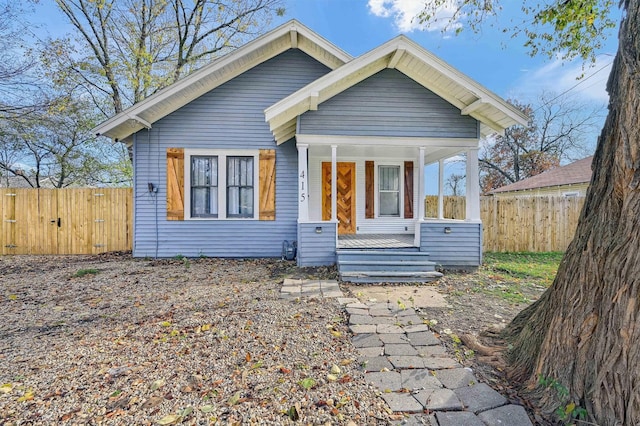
pixel 346 196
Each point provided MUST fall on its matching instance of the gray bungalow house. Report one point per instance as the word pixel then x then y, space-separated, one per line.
pixel 290 138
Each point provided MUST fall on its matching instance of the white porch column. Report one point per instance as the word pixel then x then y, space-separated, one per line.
pixel 421 191
pixel 473 185
pixel 441 189
pixel 303 184
pixel 334 184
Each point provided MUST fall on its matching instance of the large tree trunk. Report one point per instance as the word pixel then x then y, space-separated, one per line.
pixel 585 330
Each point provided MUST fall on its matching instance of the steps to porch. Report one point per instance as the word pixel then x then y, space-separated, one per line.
pixel 379 265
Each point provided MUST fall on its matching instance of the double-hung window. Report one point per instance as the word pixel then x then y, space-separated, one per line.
pixel 204 186
pixel 240 187
pixel 221 184
pixel 389 190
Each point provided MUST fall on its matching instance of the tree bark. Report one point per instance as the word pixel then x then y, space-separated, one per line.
pixel 584 331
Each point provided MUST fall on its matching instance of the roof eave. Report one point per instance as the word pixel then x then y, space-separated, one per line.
pixel 286 110
pixel 330 55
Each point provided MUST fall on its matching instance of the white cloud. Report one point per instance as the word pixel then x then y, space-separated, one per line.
pixel 405 14
pixel 558 78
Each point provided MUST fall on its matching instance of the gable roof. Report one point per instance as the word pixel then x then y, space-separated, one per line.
pixel 406 56
pixel 290 35
pixel 576 172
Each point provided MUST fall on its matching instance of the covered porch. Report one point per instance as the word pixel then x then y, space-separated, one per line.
pixel 341 191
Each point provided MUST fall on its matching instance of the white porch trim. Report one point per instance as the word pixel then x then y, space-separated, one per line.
pixel 456 143
pixel 441 189
pixel 473 186
pixel 303 183
pixel 334 186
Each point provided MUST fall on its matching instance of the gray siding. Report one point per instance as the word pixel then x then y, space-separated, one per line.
pixel 230 116
pixel 388 104
pixel 316 249
pixel 462 248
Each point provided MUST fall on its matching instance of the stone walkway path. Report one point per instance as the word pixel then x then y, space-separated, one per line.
pixel 410 366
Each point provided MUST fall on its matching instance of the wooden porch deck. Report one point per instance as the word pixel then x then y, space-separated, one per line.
pixel 375 241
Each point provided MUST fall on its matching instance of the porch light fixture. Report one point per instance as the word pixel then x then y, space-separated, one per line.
pixel 318 229
pixel 447 230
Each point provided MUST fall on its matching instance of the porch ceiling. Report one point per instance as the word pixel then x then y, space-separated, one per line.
pixel 432 154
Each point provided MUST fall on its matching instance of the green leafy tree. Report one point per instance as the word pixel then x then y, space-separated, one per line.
pixel 584 332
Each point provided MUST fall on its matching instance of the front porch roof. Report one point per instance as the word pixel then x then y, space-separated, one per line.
pixel 473 99
pixel 291 35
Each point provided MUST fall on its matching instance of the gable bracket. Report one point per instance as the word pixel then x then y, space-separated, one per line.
pixel 313 101
pixel 397 55
pixel 142 121
pixel 473 106
pixel 294 38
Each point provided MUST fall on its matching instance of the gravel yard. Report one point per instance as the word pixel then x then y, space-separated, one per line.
pixel 113 340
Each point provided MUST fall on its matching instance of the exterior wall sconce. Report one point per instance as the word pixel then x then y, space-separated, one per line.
pixel 318 229
pixel 447 230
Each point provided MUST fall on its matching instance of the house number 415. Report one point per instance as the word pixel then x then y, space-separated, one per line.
pixel 303 186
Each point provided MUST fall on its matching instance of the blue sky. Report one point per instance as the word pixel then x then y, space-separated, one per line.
pixel 491 58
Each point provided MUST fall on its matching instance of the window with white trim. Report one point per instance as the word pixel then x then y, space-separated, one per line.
pixel 204 186
pixel 389 191
pixel 221 184
pixel 240 187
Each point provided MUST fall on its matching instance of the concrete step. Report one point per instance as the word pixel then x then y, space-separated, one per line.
pixel 386 265
pixel 381 255
pixel 389 277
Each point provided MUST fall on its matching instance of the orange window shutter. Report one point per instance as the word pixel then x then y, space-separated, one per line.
pixel 369 189
pixel 408 189
pixel 267 176
pixel 175 184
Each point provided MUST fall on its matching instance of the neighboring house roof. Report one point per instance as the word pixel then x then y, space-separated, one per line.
pixel 289 35
pixel 411 59
pixel 574 173
pixel 20 182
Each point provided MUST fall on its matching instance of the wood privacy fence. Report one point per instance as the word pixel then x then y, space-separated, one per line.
pixel 535 224
pixel 65 221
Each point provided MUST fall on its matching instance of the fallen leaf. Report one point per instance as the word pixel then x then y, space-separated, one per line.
pixel 234 399
pixel 336 333
pixel 157 384
pixel 346 362
pixel 165 324
pixel 169 419
pixel 293 413
pixel 6 388
pixel 332 377
pixel 205 327
pixel 284 370
pixel 185 412
pixel 247 357
pixel 13 297
pixel 335 369
pixel 307 383
pixel 28 396
pixel 152 402
pixel 207 408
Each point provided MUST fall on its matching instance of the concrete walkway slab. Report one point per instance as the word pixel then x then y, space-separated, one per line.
pixel 439 400
pixel 385 381
pixel 418 296
pixel 404 402
pixel 480 397
pixel 461 418
pixel 511 415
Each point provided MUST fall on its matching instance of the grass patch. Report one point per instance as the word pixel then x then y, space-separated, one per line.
pixel 83 272
pixel 541 267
